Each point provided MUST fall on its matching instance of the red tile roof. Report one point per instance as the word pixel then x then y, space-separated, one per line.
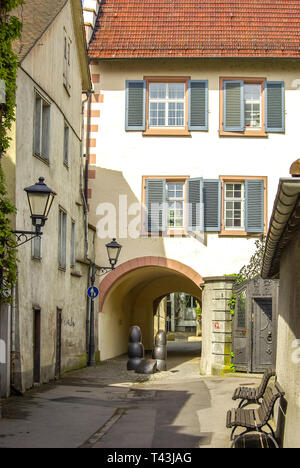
pixel 197 28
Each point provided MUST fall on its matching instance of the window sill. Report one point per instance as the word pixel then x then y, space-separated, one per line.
pixel 76 274
pixel 41 158
pixel 171 233
pixel 167 132
pixel 227 233
pixel 244 134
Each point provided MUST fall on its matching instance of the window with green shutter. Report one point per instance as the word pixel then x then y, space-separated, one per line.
pixel 274 102
pixel 230 205
pixel 212 204
pixel 251 106
pixel 166 106
pixel 135 105
pixel 155 205
pixel 198 105
pixel 243 201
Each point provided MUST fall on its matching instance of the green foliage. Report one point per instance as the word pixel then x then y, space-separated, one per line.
pixel 8 253
pixel 232 366
pixel 231 304
pixel 10 30
pixel 198 310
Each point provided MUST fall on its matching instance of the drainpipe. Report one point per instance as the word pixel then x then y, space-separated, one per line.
pixel 84 192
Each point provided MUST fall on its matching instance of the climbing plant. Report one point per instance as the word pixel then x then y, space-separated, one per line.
pixel 10 30
pixel 247 272
pixel 253 269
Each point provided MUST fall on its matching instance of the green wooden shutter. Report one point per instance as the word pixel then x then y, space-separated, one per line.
pixel 254 205
pixel 233 106
pixel 135 105
pixel 274 106
pixel 212 204
pixel 198 105
pixel 156 205
pixel 195 211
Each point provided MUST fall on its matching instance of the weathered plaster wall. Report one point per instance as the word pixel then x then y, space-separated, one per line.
pixel 41 283
pixel 288 354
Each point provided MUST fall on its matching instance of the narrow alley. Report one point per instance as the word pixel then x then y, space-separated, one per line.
pixel 109 407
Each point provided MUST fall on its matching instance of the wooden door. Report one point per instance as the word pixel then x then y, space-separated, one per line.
pixel 36 345
pixel 58 342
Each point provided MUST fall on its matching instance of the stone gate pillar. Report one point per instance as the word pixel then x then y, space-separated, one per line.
pixel 216 325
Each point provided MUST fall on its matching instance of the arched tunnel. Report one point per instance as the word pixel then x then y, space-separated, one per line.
pixel 130 296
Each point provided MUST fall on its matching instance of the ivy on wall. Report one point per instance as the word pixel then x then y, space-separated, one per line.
pixel 10 30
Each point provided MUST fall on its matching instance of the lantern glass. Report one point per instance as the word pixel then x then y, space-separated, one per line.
pixel 113 252
pixel 38 203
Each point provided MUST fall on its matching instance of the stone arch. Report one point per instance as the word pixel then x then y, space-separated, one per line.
pixel 142 262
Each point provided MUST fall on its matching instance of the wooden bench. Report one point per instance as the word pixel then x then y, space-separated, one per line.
pixel 253 420
pixel 249 395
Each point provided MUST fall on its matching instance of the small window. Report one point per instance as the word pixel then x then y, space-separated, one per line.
pixel 62 239
pixel 234 201
pixel 67 64
pixel 73 248
pixel 251 106
pixel 175 201
pixel 41 128
pixel 167 105
pixel 244 205
pixel 66 144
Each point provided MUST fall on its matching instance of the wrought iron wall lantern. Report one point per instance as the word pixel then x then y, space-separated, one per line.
pixel 40 199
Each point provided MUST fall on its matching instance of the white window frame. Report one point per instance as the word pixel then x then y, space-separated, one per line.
pixel 62 239
pixel 67 63
pixel 42 127
pixel 66 144
pixel 175 199
pixel 167 101
pixel 234 200
pixel 259 101
pixel 73 244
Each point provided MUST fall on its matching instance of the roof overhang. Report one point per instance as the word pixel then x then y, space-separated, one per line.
pixel 284 223
pixel 82 44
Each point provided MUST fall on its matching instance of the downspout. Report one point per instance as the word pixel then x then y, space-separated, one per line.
pixel 84 192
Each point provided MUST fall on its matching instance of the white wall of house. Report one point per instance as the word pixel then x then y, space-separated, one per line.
pixel 122 158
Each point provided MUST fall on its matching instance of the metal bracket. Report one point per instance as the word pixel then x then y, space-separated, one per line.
pixel 25 236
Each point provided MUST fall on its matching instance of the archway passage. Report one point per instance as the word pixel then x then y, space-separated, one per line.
pixel 129 296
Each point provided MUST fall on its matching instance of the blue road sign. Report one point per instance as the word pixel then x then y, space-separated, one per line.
pixel 93 292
